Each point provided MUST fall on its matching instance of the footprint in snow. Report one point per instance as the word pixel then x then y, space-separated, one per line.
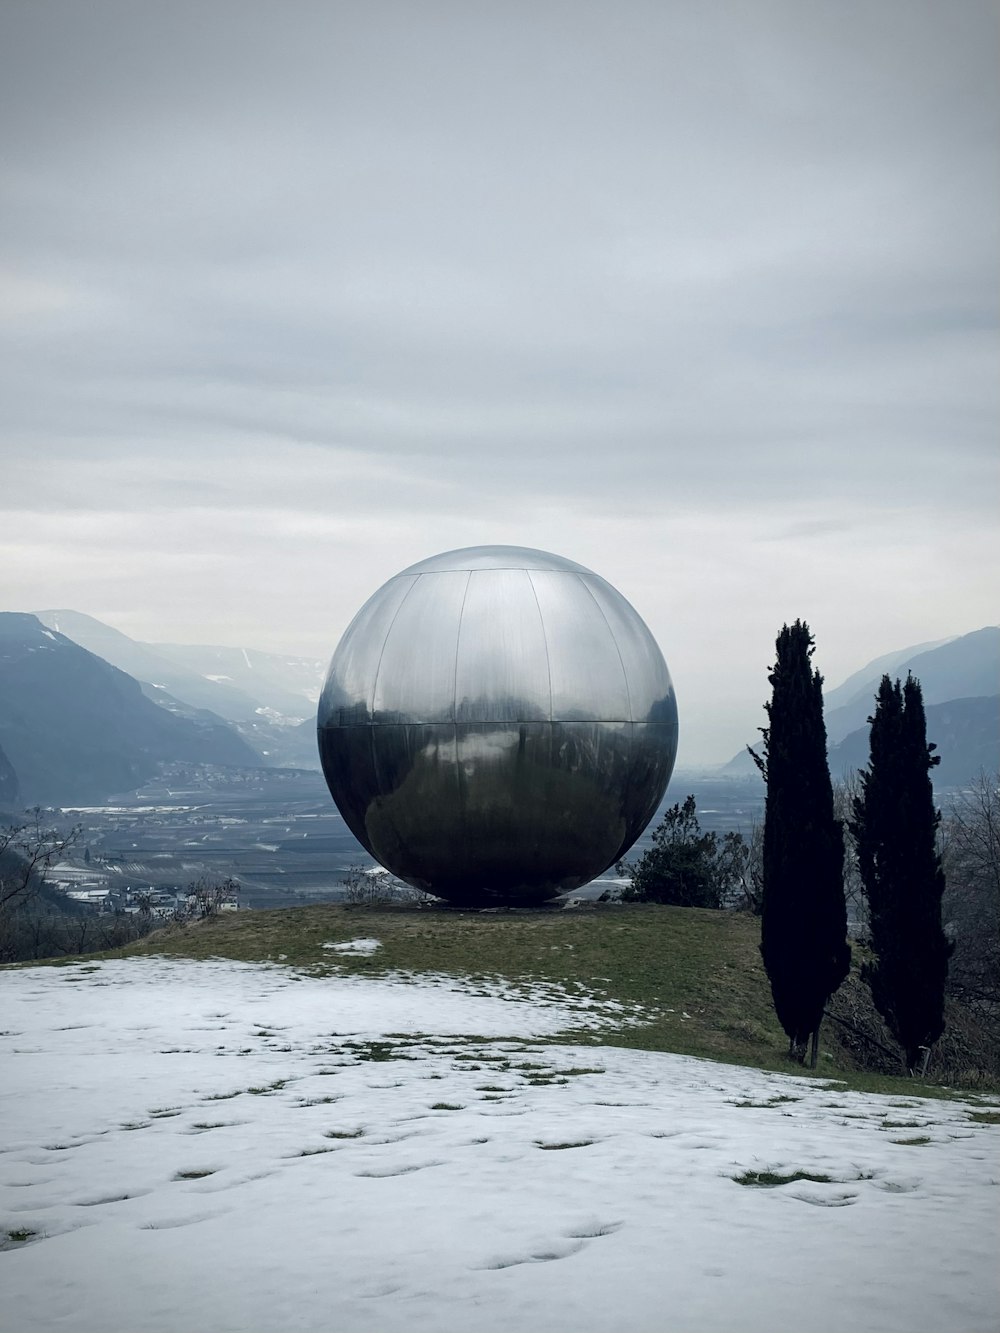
pixel 543 1255
pixel 387 1172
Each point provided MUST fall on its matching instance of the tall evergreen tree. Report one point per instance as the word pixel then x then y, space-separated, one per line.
pixel 894 826
pixel 804 916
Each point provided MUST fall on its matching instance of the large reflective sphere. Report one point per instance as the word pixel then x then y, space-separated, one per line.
pixel 497 725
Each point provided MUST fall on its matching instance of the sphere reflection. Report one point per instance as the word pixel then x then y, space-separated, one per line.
pixel 497 725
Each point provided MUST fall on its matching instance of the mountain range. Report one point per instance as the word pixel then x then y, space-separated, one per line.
pixel 74 728
pixel 960 681
pixel 963 668
pixel 270 699
pixel 87 712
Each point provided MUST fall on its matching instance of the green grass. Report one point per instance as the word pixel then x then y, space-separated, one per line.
pixel 766 1180
pixel 694 977
pixel 375 1050
pixel 670 961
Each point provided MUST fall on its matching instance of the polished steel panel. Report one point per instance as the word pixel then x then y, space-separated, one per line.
pixel 350 682
pixel 651 691
pixel 495 557
pixel 502 668
pixel 347 751
pixel 585 668
pixel 415 677
pixel 498 725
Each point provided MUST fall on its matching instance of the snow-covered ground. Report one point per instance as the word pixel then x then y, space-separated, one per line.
pixel 221 1146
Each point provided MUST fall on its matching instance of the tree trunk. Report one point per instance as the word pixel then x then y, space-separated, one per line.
pixel 814 1047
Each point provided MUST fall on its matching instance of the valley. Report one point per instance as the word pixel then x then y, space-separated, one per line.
pixel 278 832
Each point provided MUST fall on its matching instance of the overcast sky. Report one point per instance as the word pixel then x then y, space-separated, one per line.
pixel 701 295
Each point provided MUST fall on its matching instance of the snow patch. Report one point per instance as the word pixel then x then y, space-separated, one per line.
pixel 255 1148
pixel 360 947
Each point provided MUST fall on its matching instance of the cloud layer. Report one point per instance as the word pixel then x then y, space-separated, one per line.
pixel 703 297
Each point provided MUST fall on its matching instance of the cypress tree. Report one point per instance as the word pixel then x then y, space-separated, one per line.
pixel 804 915
pixel 894 825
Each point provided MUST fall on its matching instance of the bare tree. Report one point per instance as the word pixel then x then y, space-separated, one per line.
pixel 27 851
pixel 29 908
pixel 971 855
pixel 369 886
pixel 745 857
pixel 207 897
pixel 845 792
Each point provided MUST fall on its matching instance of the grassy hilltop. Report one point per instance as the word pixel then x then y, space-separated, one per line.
pixel 687 981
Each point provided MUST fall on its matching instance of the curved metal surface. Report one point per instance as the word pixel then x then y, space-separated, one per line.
pixel 497 725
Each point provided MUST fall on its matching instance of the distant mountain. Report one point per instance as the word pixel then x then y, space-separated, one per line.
pixel 963 671
pixel 77 729
pixel 145 663
pixel 289 686
pixel 265 695
pixel 10 791
pixel 965 731
pixel 963 668
pixel 866 681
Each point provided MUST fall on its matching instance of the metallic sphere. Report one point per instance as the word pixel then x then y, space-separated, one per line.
pixel 498 725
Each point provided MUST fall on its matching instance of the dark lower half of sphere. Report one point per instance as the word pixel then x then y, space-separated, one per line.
pixel 483 813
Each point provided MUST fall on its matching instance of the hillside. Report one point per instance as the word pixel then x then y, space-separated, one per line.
pixel 10 792
pixel 865 681
pixel 265 696
pixel 966 732
pixel 963 668
pixel 695 976
pixel 226 1146
pixel 76 729
pixel 145 663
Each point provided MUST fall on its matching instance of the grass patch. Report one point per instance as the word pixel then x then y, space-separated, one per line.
pixel 195 1175
pixel 344 1134
pixel 767 1180
pixel 985 1117
pixel 447 1106
pixel 693 978
pixel 918 1141
pixel 560 1147
pixel 377 1051
pixel 18 1235
pixel 777 1100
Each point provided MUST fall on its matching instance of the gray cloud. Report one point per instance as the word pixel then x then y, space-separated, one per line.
pixel 702 295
